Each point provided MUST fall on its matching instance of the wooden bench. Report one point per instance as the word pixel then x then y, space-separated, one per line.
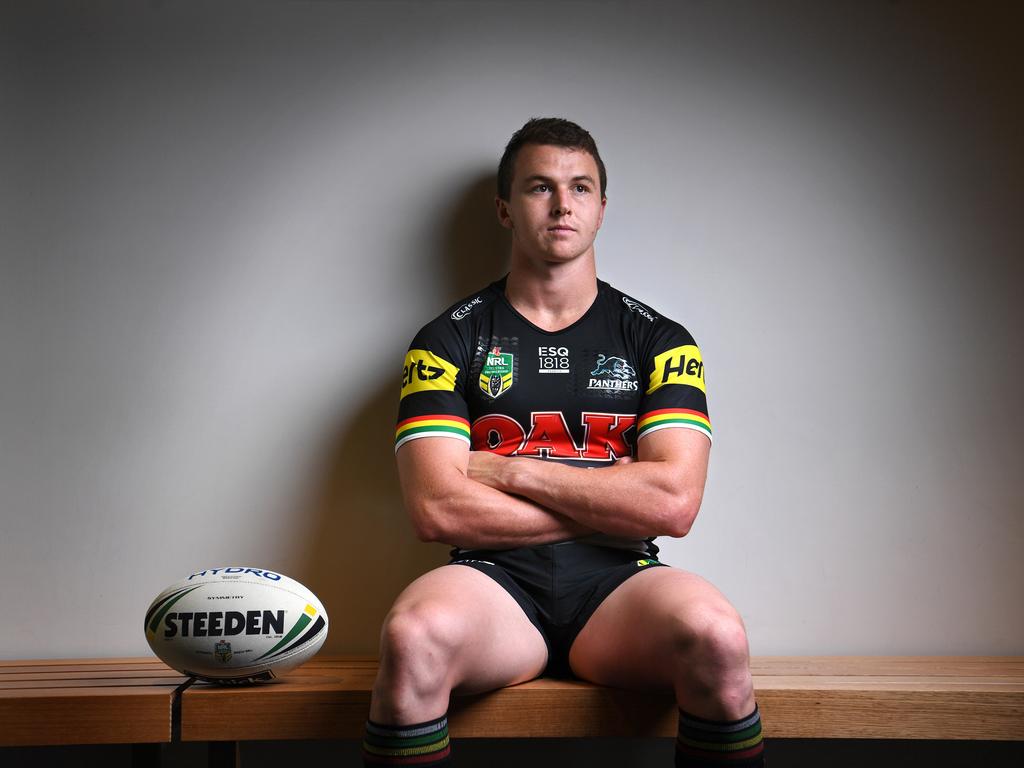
pixel 141 701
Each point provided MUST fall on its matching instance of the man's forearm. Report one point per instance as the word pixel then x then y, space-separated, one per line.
pixel 475 516
pixel 637 500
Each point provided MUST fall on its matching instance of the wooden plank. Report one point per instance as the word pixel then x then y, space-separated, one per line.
pixel 549 709
pixel 287 714
pixel 113 715
pixel 321 703
pixel 128 700
pixel 889 683
pixel 77 669
pixel 888 665
pixel 851 714
pixel 563 709
pixel 828 712
pixel 86 701
pixel 117 682
pixel 168 675
pixel 823 697
pixel 98 662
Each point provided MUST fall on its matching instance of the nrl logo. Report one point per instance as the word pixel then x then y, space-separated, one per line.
pixel 222 651
pixel 496 375
pixel 636 306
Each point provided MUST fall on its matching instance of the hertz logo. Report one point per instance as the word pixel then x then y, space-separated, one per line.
pixel 681 365
pixel 424 371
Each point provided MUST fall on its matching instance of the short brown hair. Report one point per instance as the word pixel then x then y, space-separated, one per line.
pixel 552 131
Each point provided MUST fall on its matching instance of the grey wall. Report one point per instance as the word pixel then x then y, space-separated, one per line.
pixel 222 223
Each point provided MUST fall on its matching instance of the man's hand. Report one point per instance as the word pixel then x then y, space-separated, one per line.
pixel 445 504
pixel 486 468
pixel 491 468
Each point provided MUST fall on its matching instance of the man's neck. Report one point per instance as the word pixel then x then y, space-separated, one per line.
pixel 552 296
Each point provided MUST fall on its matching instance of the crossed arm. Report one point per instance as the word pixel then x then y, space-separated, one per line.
pixel 482 500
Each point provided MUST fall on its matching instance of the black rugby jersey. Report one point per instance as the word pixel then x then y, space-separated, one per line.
pixel 584 395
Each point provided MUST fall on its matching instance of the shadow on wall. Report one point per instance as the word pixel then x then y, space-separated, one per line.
pixel 474 247
pixel 363 551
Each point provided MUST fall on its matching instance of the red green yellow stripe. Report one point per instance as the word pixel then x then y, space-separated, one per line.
pixel 434 425
pixel 662 418
pixel 706 742
pixel 725 746
pixel 433 747
pixel 425 744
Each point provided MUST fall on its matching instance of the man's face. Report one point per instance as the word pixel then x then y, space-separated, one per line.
pixel 555 206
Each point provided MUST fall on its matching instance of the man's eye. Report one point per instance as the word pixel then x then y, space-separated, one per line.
pixel 582 188
pixel 541 188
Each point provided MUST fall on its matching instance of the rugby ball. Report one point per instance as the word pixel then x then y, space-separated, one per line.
pixel 235 625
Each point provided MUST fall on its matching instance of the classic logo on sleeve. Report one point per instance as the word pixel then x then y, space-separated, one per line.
pixel 636 306
pixel 496 375
pixel 425 371
pixel 466 308
pixel 680 365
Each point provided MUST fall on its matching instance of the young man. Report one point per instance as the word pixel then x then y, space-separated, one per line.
pixel 509 398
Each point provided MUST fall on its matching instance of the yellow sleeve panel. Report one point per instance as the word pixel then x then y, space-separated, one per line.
pixel 425 371
pixel 680 365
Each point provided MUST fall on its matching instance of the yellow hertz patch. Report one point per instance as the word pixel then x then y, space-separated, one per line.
pixel 426 371
pixel 681 365
pixel 310 610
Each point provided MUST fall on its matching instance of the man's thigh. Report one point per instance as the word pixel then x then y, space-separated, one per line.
pixel 490 640
pixel 634 637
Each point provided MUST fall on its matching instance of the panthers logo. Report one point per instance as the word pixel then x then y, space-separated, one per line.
pixel 615 367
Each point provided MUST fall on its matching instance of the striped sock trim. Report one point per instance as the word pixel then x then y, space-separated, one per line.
pixel 420 744
pixel 707 743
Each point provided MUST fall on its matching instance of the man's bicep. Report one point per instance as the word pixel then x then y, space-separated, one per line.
pixel 681 458
pixel 429 465
pixel 689 449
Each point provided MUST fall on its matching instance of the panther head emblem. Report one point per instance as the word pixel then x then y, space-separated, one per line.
pixel 615 367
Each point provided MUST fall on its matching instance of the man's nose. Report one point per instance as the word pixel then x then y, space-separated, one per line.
pixel 562 203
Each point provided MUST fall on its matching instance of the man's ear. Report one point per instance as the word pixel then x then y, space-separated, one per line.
pixel 504 216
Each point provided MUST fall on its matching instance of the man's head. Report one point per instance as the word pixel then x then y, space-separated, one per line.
pixel 551 185
pixel 551 131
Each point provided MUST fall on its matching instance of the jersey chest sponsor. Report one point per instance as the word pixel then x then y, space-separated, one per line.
pixel 548 436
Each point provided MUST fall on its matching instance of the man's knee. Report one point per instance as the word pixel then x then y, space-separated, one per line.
pixel 712 642
pixel 421 639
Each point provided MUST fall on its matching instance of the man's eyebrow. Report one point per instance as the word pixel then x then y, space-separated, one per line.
pixel 539 177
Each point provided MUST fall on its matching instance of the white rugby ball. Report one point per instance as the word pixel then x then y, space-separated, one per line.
pixel 235 625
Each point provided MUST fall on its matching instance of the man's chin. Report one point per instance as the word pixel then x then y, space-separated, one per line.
pixel 553 257
pixel 563 252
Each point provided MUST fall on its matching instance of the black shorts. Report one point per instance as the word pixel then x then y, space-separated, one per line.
pixel 558 586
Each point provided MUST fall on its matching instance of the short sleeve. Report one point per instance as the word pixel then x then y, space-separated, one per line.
pixel 433 402
pixel 675 395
